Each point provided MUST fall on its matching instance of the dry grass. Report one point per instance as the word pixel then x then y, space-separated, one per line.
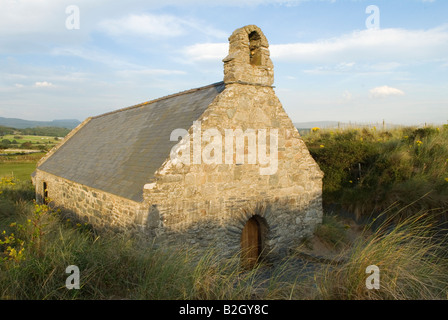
pixel 409 250
pixel 410 253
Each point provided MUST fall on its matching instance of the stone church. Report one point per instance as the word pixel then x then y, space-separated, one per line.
pixel 221 165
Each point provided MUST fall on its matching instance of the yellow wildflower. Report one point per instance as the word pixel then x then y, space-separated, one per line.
pixel 322 146
pixel 12 252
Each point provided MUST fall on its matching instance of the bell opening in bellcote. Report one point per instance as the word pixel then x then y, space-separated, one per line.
pixel 248 61
pixel 254 48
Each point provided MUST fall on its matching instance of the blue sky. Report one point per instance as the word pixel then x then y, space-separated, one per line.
pixel 328 65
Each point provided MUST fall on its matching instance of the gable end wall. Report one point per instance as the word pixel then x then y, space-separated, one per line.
pixel 209 204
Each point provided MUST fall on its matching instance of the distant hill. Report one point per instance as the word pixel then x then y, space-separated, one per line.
pixel 313 124
pixel 22 124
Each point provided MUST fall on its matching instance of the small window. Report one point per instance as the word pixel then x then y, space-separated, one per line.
pixel 45 193
pixel 254 48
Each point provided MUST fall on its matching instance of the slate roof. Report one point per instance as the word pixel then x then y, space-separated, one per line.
pixel 119 152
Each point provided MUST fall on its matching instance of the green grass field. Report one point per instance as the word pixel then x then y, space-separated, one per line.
pixel 21 171
pixel 19 166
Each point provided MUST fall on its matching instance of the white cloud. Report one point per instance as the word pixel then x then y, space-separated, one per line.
pixel 347 96
pixel 124 67
pixel 49 16
pixel 369 49
pixel 356 69
pixel 369 45
pixel 151 25
pixel 206 51
pixel 30 26
pixel 95 55
pixel 385 91
pixel 21 17
pixel 43 84
pixel 145 24
pixel 150 72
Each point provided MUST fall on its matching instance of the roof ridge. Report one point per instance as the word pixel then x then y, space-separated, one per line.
pixel 159 99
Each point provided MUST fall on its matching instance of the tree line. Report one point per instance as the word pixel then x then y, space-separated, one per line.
pixel 37 131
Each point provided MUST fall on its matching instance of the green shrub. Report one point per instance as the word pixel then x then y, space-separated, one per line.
pixel 368 170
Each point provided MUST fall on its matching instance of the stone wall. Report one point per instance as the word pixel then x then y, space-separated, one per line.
pixel 100 209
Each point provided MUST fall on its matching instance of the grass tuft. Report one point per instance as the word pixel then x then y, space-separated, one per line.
pixel 410 253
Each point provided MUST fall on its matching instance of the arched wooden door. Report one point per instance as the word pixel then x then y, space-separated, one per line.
pixel 250 243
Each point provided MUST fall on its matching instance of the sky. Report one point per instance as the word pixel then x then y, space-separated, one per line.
pixel 333 60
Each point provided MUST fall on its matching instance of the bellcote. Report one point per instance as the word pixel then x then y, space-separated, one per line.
pixel 248 61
